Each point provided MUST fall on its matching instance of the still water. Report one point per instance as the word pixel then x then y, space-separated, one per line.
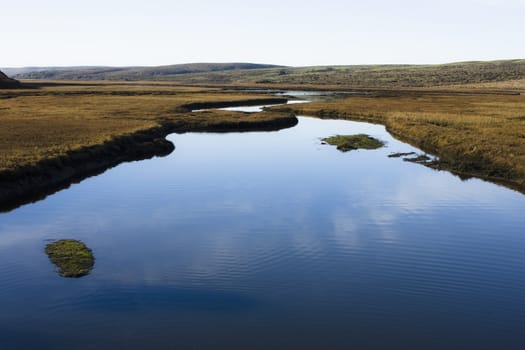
pixel 270 240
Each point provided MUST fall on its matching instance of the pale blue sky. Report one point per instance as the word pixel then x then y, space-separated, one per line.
pixel 298 33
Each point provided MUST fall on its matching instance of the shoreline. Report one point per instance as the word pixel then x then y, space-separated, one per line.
pixel 32 183
pixel 189 107
pixel 457 165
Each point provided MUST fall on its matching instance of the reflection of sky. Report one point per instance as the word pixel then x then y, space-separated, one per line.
pixel 252 109
pixel 273 219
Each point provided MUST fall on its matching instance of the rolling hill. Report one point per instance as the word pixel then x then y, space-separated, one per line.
pixel 383 76
pixel 10 71
pixel 356 76
pixel 170 72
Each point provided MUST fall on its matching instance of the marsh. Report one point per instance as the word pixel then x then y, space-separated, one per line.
pixel 270 240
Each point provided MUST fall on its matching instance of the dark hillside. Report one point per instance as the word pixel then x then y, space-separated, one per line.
pixel 6 82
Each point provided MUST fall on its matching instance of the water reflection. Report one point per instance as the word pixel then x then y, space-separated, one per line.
pixel 271 240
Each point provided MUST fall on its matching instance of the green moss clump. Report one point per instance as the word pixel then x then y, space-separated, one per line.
pixel 346 143
pixel 73 258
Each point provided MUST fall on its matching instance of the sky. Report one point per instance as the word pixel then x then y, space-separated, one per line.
pixel 287 32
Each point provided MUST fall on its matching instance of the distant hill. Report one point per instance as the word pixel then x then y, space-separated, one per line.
pixel 24 70
pixel 132 73
pixel 382 76
pixel 6 82
pixel 356 76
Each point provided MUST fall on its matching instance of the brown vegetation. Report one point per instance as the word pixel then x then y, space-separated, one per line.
pixel 55 133
pixel 49 122
pixel 473 134
pixel 58 134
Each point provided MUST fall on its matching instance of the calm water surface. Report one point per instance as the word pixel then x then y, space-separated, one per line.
pixel 270 240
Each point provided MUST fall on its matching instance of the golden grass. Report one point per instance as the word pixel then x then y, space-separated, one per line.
pixel 518 85
pixel 48 122
pixel 479 134
pixel 482 134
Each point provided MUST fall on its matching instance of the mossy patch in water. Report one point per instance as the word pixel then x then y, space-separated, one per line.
pixel 401 154
pixel 418 158
pixel 73 258
pixel 347 143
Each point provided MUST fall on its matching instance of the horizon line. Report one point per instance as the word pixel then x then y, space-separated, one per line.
pixel 255 63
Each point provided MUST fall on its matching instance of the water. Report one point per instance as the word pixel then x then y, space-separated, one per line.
pixel 252 109
pixel 270 240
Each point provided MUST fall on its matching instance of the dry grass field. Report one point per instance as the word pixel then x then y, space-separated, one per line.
pixel 475 130
pixel 51 121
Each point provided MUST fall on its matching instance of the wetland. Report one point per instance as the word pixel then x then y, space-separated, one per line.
pixel 270 239
pixel 238 228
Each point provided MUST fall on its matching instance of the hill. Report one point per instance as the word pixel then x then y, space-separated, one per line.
pixel 170 72
pixel 383 76
pixel 24 70
pixel 6 82
pixel 365 76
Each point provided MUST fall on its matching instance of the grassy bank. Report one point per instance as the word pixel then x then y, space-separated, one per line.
pixel 52 136
pixel 36 124
pixel 480 135
pixel 55 133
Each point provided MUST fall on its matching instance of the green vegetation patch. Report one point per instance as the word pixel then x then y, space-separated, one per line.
pixel 347 143
pixel 73 258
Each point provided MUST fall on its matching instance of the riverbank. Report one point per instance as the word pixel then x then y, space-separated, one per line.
pixel 34 182
pixel 56 135
pixel 474 135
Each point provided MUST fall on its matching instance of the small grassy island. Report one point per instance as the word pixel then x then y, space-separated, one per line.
pixel 347 143
pixel 72 257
